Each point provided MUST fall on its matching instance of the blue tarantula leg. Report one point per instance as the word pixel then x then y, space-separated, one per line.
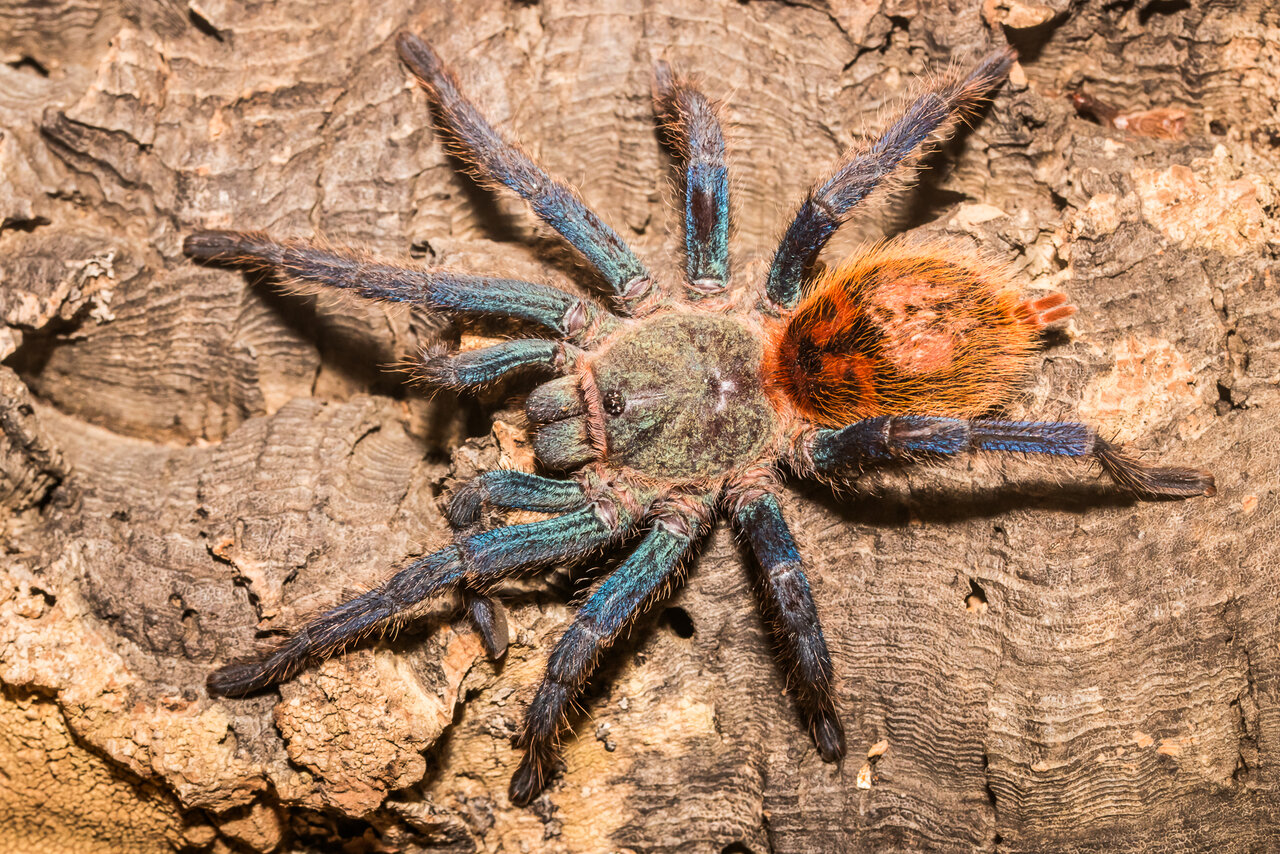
pixel 905 437
pixel 370 613
pixel 795 618
pixel 476 560
pixel 474 368
pixel 516 490
pixel 311 264
pixel 492 158
pixel 647 571
pixel 695 133
pixel 863 169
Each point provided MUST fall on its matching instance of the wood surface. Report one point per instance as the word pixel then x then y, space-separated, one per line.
pixel 191 460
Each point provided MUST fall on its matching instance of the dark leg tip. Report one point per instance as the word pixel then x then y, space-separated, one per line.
pixel 1151 482
pixel 237 680
pixel 211 245
pixel 527 783
pixel 436 369
pixel 230 247
pixel 828 736
pixel 996 64
pixel 1183 483
pixel 490 620
pixel 418 55
pixel 465 504
pixel 1176 483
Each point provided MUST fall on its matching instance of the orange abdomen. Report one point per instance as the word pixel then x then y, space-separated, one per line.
pixel 905 329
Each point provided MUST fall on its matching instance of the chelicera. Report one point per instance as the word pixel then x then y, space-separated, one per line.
pixel 681 404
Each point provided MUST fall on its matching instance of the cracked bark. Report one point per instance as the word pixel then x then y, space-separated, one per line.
pixel 189 459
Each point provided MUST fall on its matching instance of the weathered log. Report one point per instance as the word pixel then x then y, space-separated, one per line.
pixel 190 460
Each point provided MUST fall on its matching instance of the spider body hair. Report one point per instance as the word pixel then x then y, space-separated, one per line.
pixel 906 329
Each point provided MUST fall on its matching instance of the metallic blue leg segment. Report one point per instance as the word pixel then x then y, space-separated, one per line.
pixel 475 368
pixel 476 561
pixel 863 170
pixel 613 606
pixel 795 619
pixel 369 613
pixel 696 135
pixel 568 537
pixel 519 490
pixel 309 263
pixel 1060 438
pixel 904 437
pixel 516 490
pixel 492 158
pixel 907 437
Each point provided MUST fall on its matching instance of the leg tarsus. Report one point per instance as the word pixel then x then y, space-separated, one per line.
pixel 1147 481
pixel 529 779
pixel 490 621
pixel 542 720
pixel 233 248
pixel 828 734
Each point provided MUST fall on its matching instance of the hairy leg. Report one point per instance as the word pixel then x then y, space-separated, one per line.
pixel 475 368
pixel 647 571
pixel 490 622
pixel 508 489
pixel 310 264
pixel 862 170
pixel 905 437
pixel 514 490
pixel 794 618
pixel 492 158
pixel 695 133
pixel 475 560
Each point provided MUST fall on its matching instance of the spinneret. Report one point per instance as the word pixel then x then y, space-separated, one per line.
pixel 677 408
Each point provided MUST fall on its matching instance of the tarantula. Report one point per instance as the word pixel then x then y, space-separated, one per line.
pixel 680 404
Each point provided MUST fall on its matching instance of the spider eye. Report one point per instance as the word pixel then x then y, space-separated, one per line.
pixel 613 402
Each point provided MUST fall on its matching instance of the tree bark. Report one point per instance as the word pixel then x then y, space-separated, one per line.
pixel 191 461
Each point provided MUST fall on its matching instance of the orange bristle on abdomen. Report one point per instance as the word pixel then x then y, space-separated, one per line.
pixel 905 329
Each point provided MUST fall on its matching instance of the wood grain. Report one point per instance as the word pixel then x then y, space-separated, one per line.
pixel 191 461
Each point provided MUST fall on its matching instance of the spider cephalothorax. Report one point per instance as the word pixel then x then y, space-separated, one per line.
pixel 681 404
